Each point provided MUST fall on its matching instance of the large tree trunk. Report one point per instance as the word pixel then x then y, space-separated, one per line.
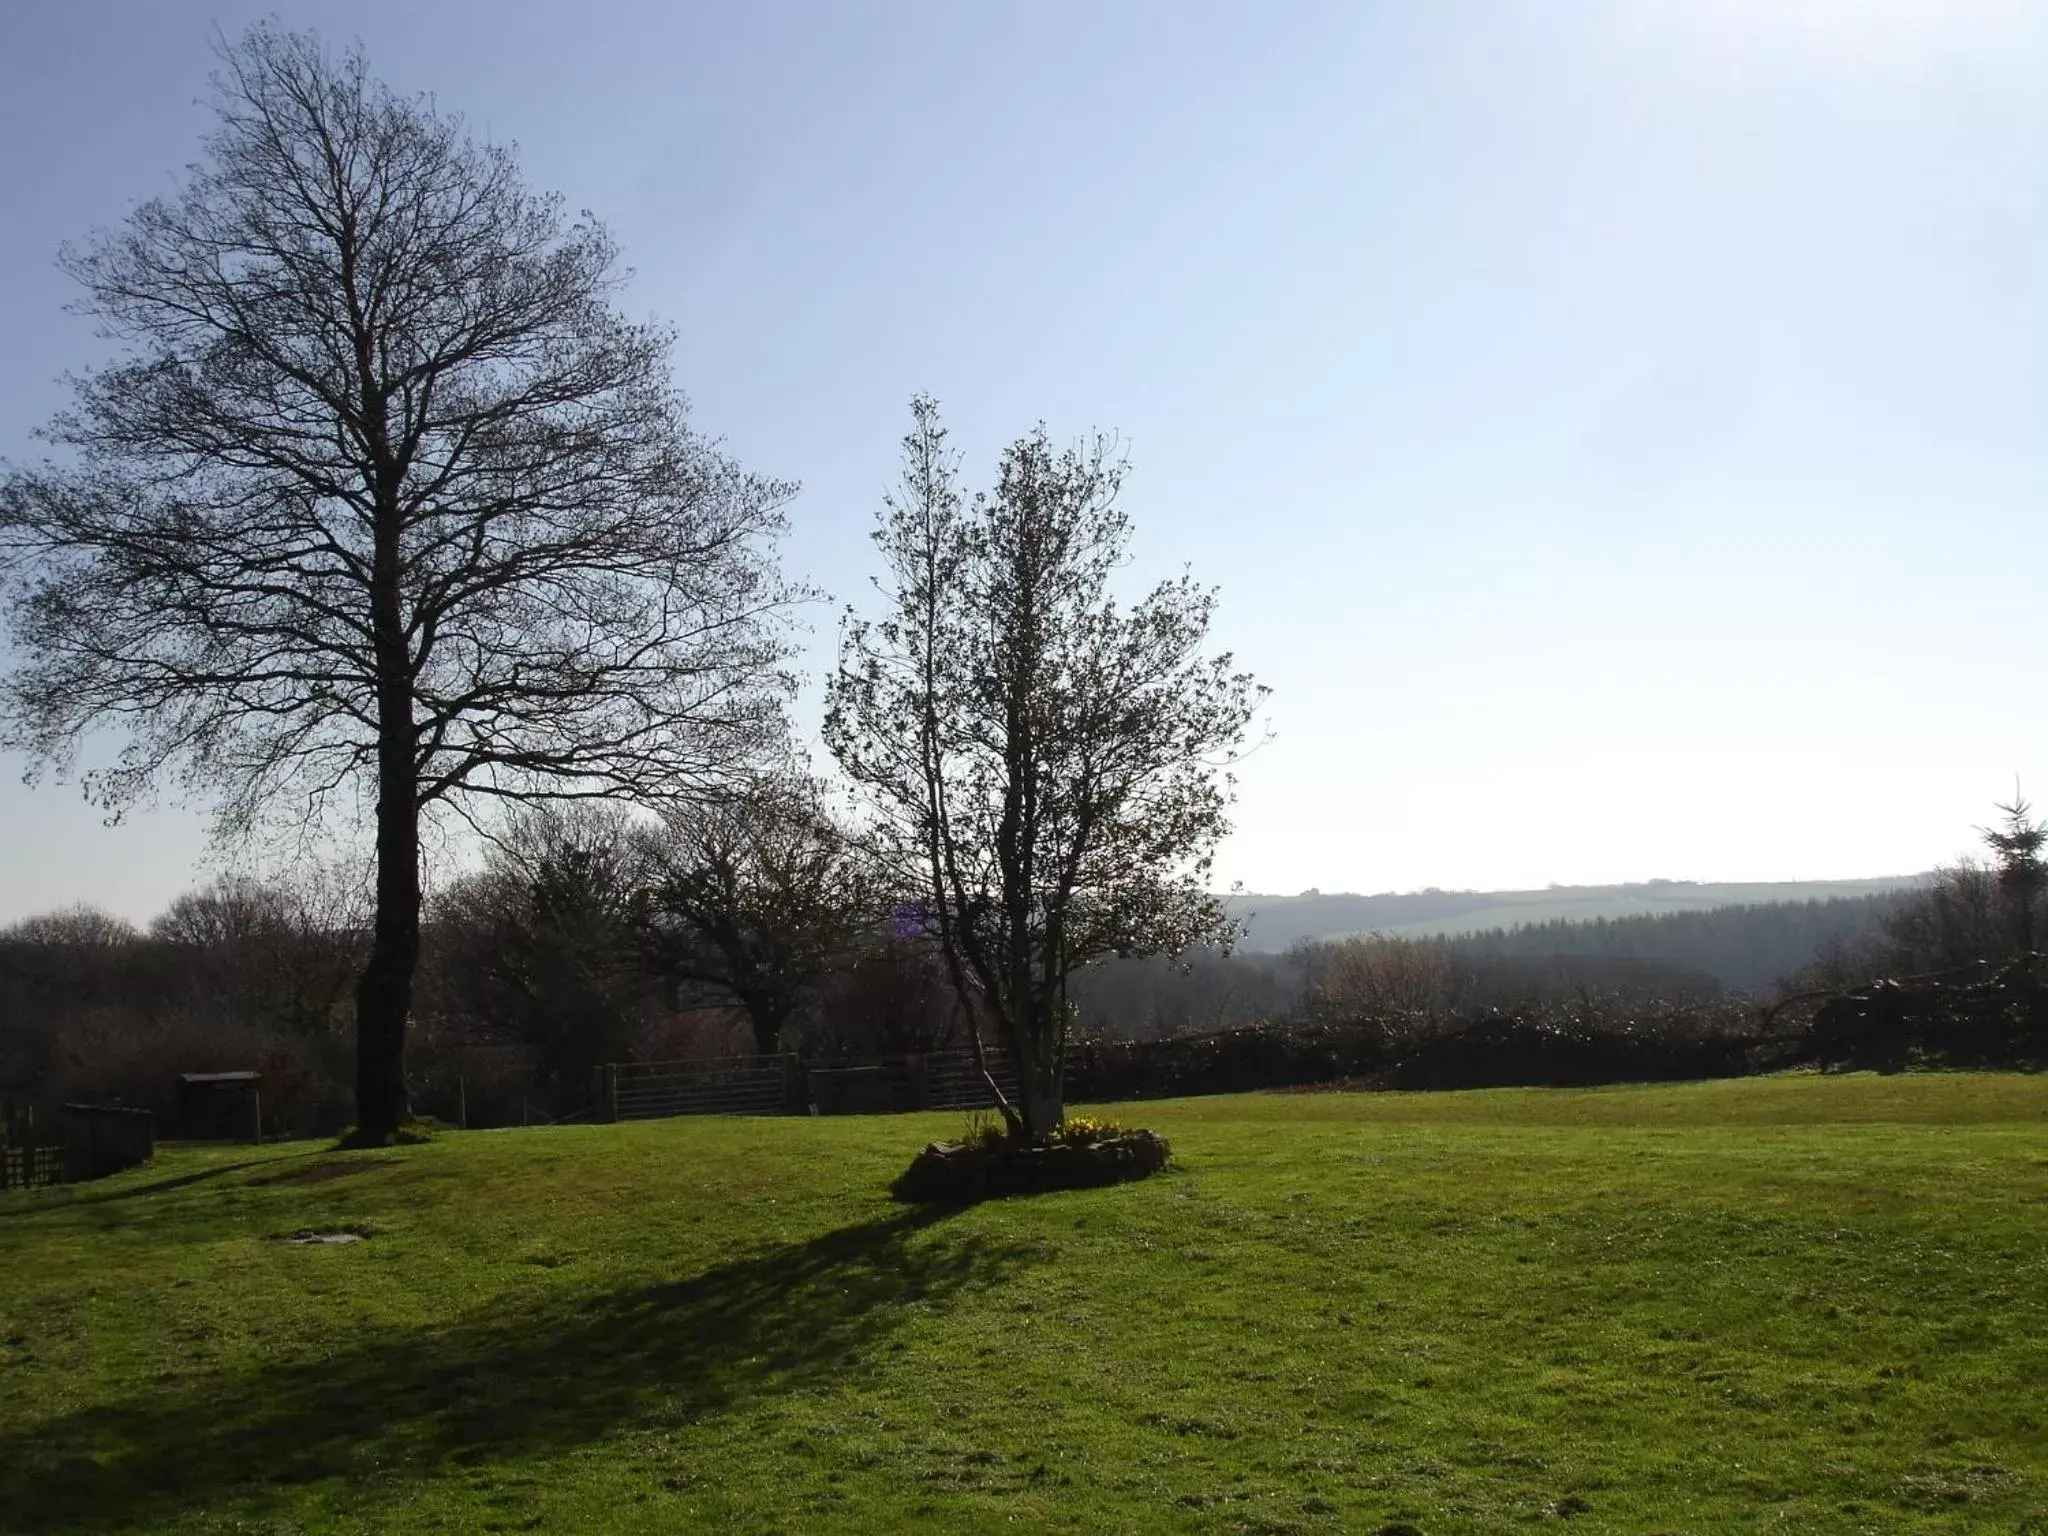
pixel 384 994
pixel 768 1016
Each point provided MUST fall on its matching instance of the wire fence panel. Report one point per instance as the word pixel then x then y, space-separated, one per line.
pixel 733 1085
pixel 953 1081
pixel 788 1085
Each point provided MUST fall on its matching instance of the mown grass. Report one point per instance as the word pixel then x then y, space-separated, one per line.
pixel 1801 1304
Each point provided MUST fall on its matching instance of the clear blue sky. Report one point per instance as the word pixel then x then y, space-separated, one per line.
pixel 1617 429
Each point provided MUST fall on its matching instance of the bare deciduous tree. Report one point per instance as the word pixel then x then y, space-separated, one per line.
pixel 1047 765
pixel 277 954
pixel 537 949
pixel 891 999
pixel 758 899
pixel 384 494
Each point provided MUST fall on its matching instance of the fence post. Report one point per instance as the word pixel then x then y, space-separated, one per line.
pixel 792 1084
pixel 604 1092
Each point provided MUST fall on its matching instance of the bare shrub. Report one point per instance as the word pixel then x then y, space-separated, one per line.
pixel 1397 990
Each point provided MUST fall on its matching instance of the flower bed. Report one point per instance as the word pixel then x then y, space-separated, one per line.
pixel 994 1165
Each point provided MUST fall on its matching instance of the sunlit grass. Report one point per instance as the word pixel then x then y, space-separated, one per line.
pixel 1807 1304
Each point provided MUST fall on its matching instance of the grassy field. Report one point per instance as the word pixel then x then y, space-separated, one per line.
pixel 1801 1304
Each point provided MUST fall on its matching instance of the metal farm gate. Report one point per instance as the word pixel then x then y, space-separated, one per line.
pixel 789 1085
pixel 952 1081
pixel 727 1085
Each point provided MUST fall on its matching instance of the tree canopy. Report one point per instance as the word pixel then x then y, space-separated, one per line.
pixel 383 504
pixel 1045 764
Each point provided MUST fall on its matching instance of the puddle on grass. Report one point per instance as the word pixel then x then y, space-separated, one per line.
pixel 334 1235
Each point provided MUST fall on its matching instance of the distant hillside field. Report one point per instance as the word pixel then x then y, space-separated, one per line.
pixel 1275 922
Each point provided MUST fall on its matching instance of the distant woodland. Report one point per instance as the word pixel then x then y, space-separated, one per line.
pixel 542 966
pixel 1277 922
pixel 1703 953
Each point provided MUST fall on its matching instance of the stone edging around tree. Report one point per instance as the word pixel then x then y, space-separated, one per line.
pixel 961 1171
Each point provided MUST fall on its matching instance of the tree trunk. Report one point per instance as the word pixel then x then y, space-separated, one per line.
pixel 1039 1090
pixel 384 994
pixel 1043 1112
pixel 768 1019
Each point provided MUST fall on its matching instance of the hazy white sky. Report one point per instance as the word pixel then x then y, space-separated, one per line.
pixel 1617 429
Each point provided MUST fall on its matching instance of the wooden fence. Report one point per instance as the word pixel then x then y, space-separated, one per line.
pixel 100 1139
pixel 27 1167
pixel 790 1085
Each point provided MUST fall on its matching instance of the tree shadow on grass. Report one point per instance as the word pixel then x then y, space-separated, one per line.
pixel 137 1191
pixel 401 1407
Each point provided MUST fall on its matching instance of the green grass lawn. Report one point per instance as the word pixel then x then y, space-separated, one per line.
pixel 1799 1304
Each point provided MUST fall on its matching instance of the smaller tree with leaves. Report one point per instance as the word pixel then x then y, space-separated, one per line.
pixel 1046 765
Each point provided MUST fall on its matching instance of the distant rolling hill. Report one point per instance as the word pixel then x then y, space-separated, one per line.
pixel 1276 922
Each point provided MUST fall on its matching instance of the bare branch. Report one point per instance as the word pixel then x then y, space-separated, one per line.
pixel 383 491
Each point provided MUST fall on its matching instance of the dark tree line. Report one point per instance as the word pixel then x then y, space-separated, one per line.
pixel 560 953
pixel 1744 949
pixel 241 975
pixel 563 951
